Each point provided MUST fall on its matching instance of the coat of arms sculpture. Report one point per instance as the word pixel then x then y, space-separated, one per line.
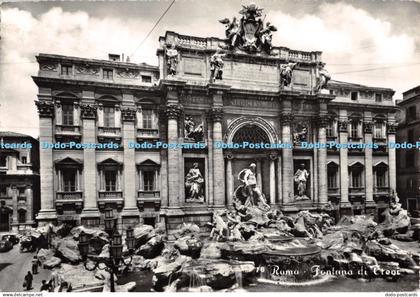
pixel 249 33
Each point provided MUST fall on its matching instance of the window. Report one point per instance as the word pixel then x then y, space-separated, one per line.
pixel 356 178
pixel 381 178
pixel 354 95
pixel 3 161
pixel 410 136
pixel 332 176
pixel 411 113
pixel 21 216
pixel 21 191
pixel 110 180
pixel 379 130
pixel 378 97
pixel 66 69
pixel 331 129
pixel 67 110
pixel 23 160
pixel 109 116
pixel 69 180
pixel 409 158
pixel 146 78
pixel 354 132
pixel 148 180
pixel 147 118
pixel 107 73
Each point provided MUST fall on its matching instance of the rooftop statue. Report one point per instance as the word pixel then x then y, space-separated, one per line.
pixel 322 80
pixel 249 33
pixel 286 72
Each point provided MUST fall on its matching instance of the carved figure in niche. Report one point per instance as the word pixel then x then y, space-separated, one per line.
pixel 301 178
pixel 286 72
pixel 216 65
pixel 266 37
pixel 250 189
pixel 300 136
pixel 232 31
pixel 172 59
pixel 323 77
pixel 192 131
pixel 194 183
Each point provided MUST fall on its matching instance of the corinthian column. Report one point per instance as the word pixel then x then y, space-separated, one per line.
pixel 368 164
pixel 128 115
pixel 392 157
pixel 46 114
pixel 218 160
pixel 322 160
pixel 175 180
pixel 344 171
pixel 287 157
pixel 89 161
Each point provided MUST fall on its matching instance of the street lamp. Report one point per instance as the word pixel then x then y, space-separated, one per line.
pixel 130 241
pixel 115 261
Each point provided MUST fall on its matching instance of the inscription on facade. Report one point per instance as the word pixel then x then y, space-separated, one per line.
pixel 193 66
pixel 251 103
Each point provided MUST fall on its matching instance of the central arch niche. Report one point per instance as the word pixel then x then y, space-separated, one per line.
pixel 250 133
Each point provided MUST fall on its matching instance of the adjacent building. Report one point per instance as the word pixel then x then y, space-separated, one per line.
pixel 264 94
pixel 19 181
pixel 408 159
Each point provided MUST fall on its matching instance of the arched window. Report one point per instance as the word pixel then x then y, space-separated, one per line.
pixel 251 133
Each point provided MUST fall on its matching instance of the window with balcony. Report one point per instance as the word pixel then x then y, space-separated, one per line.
pixel 109 116
pixel 24 160
pixel 67 111
pixel 110 175
pixel 148 172
pixel 110 180
pixel 354 96
pixel 69 180
pixel 378 97
pixel 107 73
pixel 69 175
pixel 66 69
pixel 147 118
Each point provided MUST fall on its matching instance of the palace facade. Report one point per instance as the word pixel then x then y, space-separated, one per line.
pixel 408 160
pixel 19 181
pixel 264 94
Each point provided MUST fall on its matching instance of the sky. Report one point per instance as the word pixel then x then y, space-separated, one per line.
pixel 371 42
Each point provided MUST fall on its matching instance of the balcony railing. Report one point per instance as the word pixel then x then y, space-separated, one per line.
pixel 67 129
pixel 356 191
pixel 381 190
pixel 148 194
pixel 67 196
pixel 147 133
pixel 109 131
pixel 333 191
pixel 110 195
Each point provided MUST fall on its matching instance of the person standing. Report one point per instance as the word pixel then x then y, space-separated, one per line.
pixel 28 281
pixel 35 264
